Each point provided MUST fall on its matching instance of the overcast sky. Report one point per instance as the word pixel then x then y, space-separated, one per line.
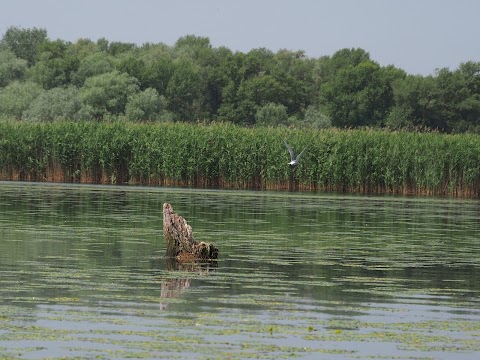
pixel 418 36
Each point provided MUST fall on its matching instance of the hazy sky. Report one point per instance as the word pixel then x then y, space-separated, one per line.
pixel 415 35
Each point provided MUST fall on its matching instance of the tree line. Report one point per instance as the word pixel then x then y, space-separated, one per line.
pixel 44 80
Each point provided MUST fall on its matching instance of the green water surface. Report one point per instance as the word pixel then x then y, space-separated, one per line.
pixel 83 274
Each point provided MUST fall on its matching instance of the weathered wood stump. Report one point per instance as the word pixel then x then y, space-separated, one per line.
pixel 180 241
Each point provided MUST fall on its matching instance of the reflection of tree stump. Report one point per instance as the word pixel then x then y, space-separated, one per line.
pixel 173 287
pixel 180 241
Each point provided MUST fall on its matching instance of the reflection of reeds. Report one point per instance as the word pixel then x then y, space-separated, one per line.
pixel 228 156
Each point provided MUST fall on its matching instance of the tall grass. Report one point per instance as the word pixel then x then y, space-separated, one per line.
pixel 228 156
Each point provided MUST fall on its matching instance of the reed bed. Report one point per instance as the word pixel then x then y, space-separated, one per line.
pixel 229 156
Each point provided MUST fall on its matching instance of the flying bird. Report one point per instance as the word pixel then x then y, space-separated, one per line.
pixel 293 160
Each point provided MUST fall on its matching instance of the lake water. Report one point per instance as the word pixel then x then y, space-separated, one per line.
pixel 311 276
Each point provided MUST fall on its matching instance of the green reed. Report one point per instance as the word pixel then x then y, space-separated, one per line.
pixel 229 156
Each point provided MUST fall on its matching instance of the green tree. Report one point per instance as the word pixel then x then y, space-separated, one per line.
pixel 294 71
pixel 102 44
pixel 271 114
pixel 232 73
pixel 82 48
pixel 359 95
pixel 56 104
pixel 152 65
pixel 16 97
pixel 94 64
pixel 196 48
pixel 214 79
pixel 446 102
pixel 147 105
pixel 470 72
pixel 199 50
pixel 415 103
pixel 326 67
pixel 469 107
pixel 24 42
pixel 132 64
pixel 316 118
pixel 257 92
pixel 450 94
pixel 108 93
pixel 459 97
pixel 55 66
pixel 184 91
pixel 115 48
pixel 257 62
pixel 260 77
pixel 11 67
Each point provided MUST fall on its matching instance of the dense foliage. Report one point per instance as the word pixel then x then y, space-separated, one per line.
pixel 192 81
pixel 226 155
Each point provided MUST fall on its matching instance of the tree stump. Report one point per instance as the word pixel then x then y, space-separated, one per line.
pixel 180 241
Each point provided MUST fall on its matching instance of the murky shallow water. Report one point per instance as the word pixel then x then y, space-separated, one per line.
pixel 83 274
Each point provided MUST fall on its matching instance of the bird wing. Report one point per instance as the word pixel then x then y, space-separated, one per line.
pixel 292 155
pixel 298 156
